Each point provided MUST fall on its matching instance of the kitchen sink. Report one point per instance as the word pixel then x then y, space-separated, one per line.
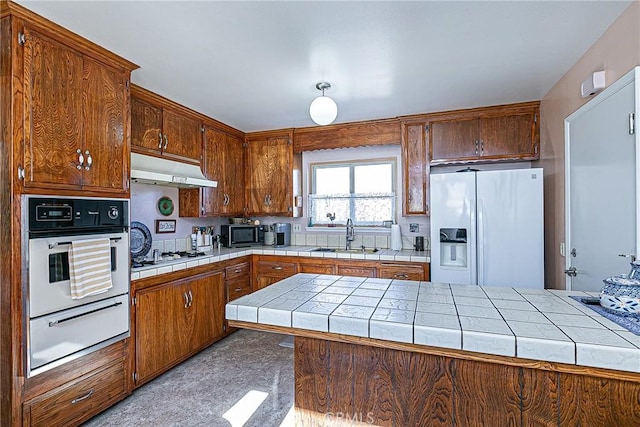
pixel 347 251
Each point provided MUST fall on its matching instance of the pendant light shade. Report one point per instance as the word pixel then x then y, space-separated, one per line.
pixel 323 110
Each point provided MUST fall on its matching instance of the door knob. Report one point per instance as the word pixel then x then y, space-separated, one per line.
pixel 571 272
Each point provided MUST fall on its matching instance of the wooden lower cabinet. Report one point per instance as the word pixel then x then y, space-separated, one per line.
pixel 237 280
pixel 175 320
pixel 79 400
pixel 401 271
pixel 358 271
pixel 269 269
pixel 316 268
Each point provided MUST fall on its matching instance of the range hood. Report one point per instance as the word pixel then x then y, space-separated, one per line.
pixel 154 170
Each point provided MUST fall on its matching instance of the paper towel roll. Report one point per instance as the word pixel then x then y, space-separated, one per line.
pixel 396 238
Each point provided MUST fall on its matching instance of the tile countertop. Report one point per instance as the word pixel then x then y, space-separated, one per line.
pixel 528 323
pixel 301 251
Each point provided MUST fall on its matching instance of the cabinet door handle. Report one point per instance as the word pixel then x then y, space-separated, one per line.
pixel 80 159
pixel 160 141
pixel 238 289
pixel 276 268
pixel 89 160
pixel 166 141
pixel 401 276
pixel 186 299
pixel 477 143
pixel 482 146
pixel 237 270
pixel 190 299
pixel 266 198
pixel 80 399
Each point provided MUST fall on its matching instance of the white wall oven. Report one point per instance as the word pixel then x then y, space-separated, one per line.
pixel 61 327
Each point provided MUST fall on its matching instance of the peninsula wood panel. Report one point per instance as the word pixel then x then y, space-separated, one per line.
pixel 373 370
pixel 407 388
pixel 355 134
pixel 540 397
pixel 598 402
pixel 486 394
pixel 311 371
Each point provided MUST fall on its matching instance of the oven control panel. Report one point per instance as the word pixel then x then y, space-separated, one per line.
pixel 48 214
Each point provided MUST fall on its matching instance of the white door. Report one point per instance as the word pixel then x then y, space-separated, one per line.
pixel 601 188
pixel 510 228
pixel 453 207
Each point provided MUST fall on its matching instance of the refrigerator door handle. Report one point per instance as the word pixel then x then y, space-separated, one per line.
pixel 480 242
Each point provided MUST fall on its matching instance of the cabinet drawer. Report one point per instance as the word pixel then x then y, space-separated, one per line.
pixel 280 269
pixel 238 270
pixel 402 272
pixel 238 288
pixel 79 400
pixel 317 268
pixel 346 270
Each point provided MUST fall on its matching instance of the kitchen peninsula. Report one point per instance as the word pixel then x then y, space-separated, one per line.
pixel 398 352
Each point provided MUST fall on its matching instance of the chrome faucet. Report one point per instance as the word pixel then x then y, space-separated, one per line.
pixel 350 233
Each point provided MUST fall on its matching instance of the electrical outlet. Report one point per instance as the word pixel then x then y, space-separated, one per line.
pixel 297 228
pixel 414 227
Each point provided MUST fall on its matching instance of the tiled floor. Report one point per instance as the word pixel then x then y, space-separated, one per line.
pixel 201 390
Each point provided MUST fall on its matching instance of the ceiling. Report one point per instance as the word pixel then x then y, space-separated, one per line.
pixel 254 65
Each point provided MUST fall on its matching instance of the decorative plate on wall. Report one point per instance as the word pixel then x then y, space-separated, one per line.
pixel 140 239
pixel 165 206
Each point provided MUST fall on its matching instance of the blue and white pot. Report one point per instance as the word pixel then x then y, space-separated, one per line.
pixel 621 294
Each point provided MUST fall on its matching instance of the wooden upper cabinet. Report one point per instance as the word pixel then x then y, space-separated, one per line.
pixel 160 127
pixel 269 169
pixel 182 137
pixel 506 136
pixel 53 113
pixel 223 162
pixel 415 161
pixel 454 139
pixel 485 134
pixel 234 175
pixel 146 126
pixel 76 119
pixel 105 100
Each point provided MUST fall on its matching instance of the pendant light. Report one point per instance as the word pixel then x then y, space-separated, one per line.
pixel 323 110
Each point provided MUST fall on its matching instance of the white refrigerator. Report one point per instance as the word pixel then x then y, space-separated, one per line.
pixel 487 228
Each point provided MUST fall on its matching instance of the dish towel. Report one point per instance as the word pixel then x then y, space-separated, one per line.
pixel 89 267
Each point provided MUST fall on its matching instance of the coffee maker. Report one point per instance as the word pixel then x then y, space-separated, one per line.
pixel 281 234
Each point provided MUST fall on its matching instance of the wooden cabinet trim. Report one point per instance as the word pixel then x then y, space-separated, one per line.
pixel 346 135
pixel 66 36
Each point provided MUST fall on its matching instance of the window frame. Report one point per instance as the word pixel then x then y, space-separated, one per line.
pixel 393 161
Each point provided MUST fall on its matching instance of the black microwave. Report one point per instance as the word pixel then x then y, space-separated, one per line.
pixel 238 236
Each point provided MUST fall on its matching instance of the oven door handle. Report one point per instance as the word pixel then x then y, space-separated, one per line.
pixel 66 319
pixel 53 245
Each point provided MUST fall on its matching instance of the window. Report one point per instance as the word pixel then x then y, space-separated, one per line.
pixel 363 191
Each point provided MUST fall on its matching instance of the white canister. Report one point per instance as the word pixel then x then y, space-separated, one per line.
pixel 396 238
pixel 269 238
